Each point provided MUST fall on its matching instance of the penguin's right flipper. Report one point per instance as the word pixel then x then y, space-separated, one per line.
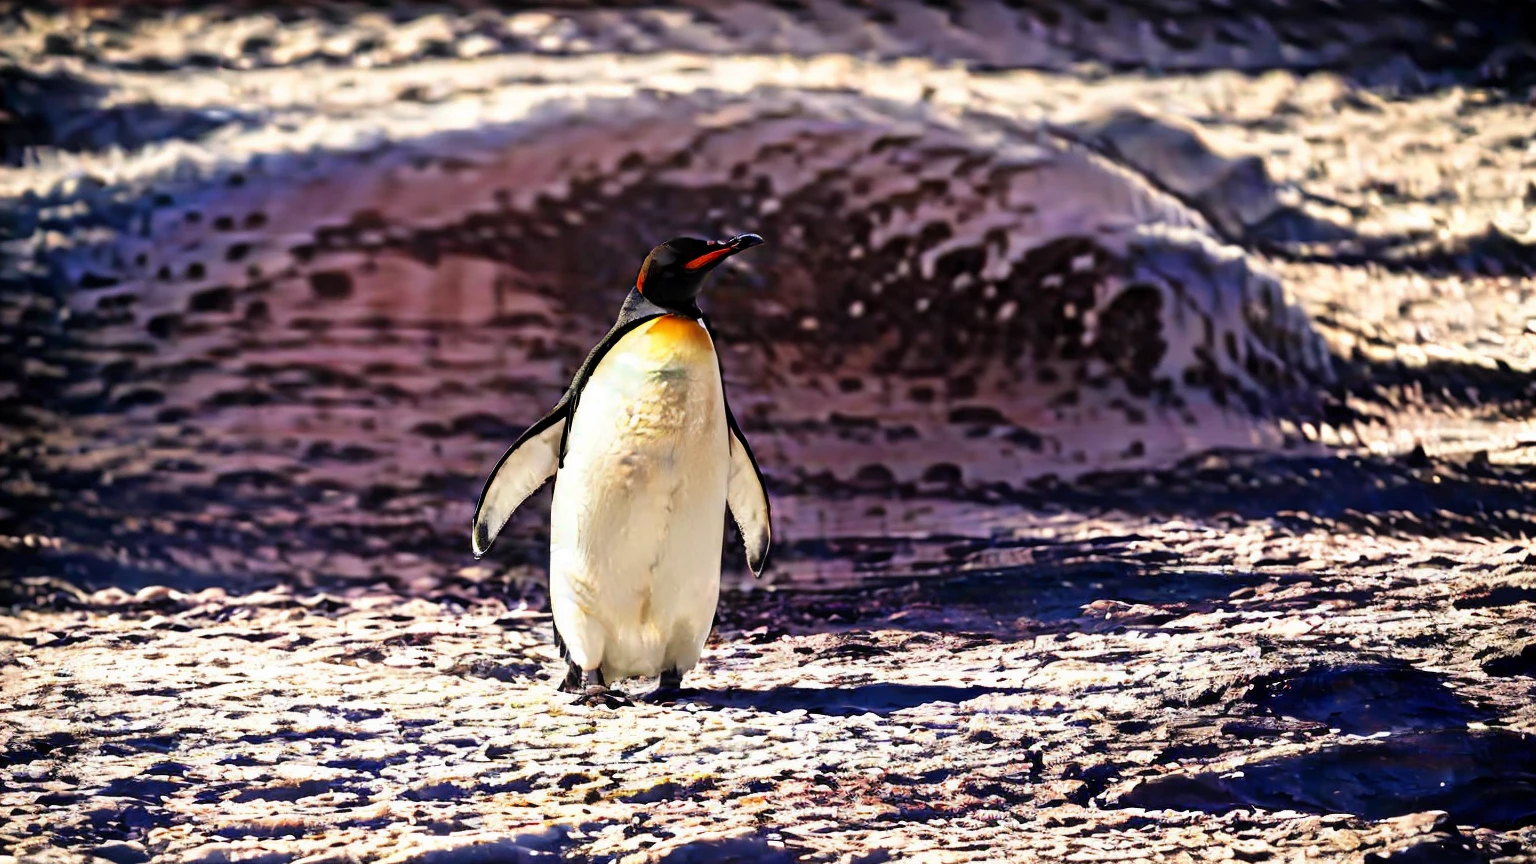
pixel 538 452
pixel 529 462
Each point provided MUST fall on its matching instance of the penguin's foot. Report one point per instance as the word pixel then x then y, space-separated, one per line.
pixel 670 687
pixel 593 689
pixel 599 696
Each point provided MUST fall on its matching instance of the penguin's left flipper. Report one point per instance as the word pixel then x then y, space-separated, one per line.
pixel 748 500
pixel 529 462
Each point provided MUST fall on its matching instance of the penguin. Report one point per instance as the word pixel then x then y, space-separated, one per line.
pixel 647 458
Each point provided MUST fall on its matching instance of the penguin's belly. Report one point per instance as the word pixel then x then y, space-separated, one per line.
pixel 638 512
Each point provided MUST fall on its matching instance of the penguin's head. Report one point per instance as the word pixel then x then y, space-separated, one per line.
pixel 674 272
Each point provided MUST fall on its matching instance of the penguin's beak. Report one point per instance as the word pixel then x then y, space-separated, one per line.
pixel 743 242
pixel 727 248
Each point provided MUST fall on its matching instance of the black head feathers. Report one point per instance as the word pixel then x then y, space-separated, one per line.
pixel 674 272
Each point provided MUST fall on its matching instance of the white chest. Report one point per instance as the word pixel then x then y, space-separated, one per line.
pixel 654 403
pixel 638 516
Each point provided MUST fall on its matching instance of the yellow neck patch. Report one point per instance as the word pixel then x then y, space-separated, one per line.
pixel 673 336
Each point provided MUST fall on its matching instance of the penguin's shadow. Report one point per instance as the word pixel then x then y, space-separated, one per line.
pixel 883 698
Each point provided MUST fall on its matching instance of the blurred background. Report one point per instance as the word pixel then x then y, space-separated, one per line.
pixel 279 284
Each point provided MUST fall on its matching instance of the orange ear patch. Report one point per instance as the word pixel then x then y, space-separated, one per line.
pixel 707 258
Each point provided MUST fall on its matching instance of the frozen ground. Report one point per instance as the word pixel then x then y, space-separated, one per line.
pixel 1146 696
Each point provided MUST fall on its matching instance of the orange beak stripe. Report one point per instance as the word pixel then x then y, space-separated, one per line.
pixel 708 258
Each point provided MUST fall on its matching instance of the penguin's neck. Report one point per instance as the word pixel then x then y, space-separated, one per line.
pixel 636 306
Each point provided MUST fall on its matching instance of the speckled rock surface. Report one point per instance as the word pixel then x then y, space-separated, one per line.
pixel 1367 698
